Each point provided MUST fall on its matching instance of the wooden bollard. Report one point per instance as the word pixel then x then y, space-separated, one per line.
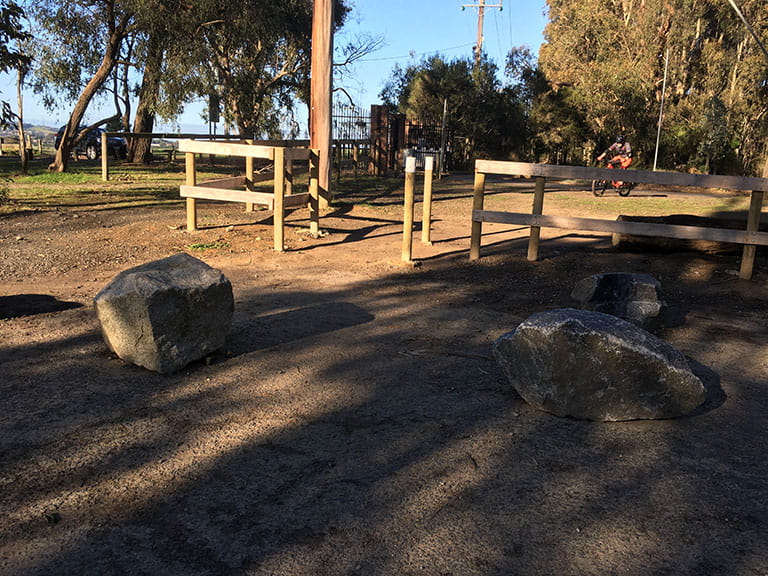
pixel 426 219
pixel 538 206
pixel 278 203
pixel 410 181
pixel 104 157
pixel 249 177
pixel 478 199
pixel 191 180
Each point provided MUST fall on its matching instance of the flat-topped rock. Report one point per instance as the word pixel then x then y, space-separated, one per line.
pixel 595 366
pixel 634 297
pixel 164 314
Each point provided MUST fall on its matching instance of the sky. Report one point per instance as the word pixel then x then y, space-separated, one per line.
pixel 410 29
pixel 415 29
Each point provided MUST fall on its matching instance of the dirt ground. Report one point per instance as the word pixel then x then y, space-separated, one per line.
pixel 355 423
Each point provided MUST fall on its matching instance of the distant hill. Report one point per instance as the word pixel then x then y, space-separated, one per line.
pixel 35 131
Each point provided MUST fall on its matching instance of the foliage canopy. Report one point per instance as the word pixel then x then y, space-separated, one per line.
pixel 604 62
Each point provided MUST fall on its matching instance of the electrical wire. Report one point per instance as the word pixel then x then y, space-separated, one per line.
pixel 749 27
pixel 410 55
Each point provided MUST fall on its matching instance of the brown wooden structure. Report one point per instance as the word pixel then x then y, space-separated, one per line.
pixel 241 188
pixel 321 91
pixel 105 136
pixel 409 202
pixel 750 238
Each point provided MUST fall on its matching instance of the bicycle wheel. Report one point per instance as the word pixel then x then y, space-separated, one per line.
pixel 598 187
pixel 625 189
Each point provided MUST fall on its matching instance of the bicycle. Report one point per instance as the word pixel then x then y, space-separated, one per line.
pixel 623 188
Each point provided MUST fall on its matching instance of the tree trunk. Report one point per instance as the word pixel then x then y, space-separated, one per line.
pixel 23 152
pixel 61 161
pixel 139 149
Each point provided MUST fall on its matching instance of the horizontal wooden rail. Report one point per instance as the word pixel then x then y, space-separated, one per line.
pixel 750 238
pixel 226 183
pixel 226 149
pixel 623 227
pixel 240 150
pixel 174 136
pixel 744 183
pixel 266 199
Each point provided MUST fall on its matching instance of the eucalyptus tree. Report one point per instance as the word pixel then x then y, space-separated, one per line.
pixel 79 43
pixel 719 93
pixel 606 61
pixel 253 56
pixel 163 33
pixel 485 116
pixel 12 56
pixel 601 58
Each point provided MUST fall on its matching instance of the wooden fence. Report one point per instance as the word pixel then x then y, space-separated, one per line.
pixel 241 189
pixel 177 136
pixel 751 237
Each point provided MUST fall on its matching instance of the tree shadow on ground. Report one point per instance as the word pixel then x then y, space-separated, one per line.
pixel 19 305
pixel 368 432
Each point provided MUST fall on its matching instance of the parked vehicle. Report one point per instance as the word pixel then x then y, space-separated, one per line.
pixel 90 146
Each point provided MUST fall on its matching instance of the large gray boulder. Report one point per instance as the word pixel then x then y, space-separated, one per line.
pixel 164 314
pixel 634 297
pixel 595 366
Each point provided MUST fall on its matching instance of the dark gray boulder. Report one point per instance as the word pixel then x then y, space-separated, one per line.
pixel 636 298
pixel 595 366
pixel 164 314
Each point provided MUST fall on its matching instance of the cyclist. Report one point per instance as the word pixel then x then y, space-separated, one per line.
pixel 620 153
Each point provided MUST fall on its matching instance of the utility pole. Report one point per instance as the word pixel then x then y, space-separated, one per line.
pixel 321 91
pixel 481 6
pixel 661 108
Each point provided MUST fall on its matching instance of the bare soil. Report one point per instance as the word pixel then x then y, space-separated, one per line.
pixel 355 423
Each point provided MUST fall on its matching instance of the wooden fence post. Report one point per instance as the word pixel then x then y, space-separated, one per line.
pixel 753 225
pixel 477 204
pixel 249 177
pixel 191 180
pixel 278 209
pixel 426 219
pixel 289 176
pixel 355 155
pixel 410 181
pixel 337 154
pixel 538 205
pixel 104 158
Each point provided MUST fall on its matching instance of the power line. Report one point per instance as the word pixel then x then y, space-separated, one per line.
pixel 481 6
pixel 498 37
pixel 411 54
pixel 749 27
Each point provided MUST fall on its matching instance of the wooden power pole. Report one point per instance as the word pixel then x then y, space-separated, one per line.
pixel 481 6
pixel 320 92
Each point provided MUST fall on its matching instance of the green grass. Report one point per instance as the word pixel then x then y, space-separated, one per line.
pixel 158 185
pixel 637 204
pixel 57 178
pixel 201 246
pixel 82 186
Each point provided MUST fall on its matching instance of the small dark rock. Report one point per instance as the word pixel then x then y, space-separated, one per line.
pixel 636 298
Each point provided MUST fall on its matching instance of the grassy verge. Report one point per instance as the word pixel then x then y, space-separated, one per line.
pixel 158 185
pixel 82 185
